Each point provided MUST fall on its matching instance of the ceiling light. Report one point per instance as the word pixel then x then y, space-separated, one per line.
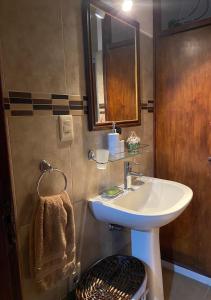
pixel 127 5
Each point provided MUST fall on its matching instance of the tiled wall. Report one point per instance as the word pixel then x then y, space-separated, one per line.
pixel 29 104
pixel 41 56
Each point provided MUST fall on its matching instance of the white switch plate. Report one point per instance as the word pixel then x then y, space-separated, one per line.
pixel 66 128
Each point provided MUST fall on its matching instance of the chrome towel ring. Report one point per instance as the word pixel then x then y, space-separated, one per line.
pixel 46 167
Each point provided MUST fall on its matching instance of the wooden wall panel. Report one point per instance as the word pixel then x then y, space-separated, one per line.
pixel 183 141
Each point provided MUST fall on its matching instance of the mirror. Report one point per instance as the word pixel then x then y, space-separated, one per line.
pixel 112 66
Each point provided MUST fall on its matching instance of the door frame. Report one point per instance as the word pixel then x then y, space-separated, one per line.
pixel 9 270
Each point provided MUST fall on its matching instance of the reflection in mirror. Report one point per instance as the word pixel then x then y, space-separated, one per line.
pixel 113 50
pixel 113 59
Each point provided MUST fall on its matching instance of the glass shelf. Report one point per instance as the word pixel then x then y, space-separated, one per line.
pixel 119 156
pixel 126 154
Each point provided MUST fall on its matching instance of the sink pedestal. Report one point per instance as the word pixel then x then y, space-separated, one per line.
pixel 154 204
pixel 146 247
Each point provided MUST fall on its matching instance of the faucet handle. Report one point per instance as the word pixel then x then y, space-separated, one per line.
pixel 128 165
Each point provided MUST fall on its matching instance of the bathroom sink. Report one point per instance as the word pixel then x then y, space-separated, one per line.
pixel 155 203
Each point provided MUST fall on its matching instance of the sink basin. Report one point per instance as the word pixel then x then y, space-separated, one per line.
pixel 155 203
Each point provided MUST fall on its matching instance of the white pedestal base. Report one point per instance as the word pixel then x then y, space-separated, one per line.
pixel 146 247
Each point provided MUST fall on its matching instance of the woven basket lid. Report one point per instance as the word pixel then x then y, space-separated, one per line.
pixel 113 278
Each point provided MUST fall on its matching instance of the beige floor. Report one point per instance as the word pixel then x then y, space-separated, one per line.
pixel 178 287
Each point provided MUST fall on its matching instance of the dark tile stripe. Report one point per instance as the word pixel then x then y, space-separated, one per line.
pixel 57 96
pixel 102 105
pixel 149 106
pixel 42 107
pixel 6 106
pixel 20 101
pixel 57 113
pixel 42 101
pixel 61 107
pixel 19 95
pixel 22 112
pixel 45 104
pixel 76 107
pixel 76 103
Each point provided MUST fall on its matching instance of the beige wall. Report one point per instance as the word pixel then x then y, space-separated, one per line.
pixel 42 52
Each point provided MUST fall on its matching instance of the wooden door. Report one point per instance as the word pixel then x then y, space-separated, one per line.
pixel 183 141
pixel 9 266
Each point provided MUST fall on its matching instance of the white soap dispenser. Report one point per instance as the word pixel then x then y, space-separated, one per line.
pixel 113 141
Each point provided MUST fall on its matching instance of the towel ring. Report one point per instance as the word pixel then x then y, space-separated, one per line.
pixel 45 167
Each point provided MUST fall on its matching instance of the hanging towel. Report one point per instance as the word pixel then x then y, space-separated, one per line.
pixel 52 240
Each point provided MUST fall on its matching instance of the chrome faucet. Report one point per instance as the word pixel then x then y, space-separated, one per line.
pixel 128 172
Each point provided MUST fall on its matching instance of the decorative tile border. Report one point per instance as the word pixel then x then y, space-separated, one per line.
pixel 29 104
pixel 149 106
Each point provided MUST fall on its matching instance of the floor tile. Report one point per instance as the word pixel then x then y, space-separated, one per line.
pixel 208 296
pixel 178 287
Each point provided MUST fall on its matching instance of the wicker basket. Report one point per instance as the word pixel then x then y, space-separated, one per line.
pixel 114 278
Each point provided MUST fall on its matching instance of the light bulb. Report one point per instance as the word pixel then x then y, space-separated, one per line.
pixel 127 5
pixel 99 16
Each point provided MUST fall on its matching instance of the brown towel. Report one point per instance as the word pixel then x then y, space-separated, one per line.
pixel 52 240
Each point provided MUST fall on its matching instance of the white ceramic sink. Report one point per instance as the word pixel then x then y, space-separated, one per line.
pixel 155 203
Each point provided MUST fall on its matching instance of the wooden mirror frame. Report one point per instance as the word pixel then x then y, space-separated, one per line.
pixel 92 123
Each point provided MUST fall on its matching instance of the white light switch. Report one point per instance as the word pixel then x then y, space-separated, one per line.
pixel 66 128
